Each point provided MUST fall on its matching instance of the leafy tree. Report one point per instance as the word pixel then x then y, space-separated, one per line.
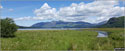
pixel 8 27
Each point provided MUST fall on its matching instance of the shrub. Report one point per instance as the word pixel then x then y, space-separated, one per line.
pixel 8 27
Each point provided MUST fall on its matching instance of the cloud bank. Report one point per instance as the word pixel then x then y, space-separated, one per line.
pixel 11 10
pixel 93 12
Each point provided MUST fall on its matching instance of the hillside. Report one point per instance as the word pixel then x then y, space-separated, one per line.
pixel 62 24
pixel 115 22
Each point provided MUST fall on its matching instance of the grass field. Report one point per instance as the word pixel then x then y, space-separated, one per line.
pixel 64 40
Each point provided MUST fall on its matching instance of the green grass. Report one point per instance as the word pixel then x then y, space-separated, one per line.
pixel 63 40
pixel 115 38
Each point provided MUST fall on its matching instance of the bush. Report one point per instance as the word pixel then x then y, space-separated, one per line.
pixel 8 27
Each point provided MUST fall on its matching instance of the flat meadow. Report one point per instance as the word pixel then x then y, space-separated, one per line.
pixel 85 39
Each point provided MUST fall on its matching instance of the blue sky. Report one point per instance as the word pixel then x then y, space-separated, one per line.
pixel 28 6
pixel 24 9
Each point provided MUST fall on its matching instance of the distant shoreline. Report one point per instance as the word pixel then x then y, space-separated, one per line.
pixel 51 28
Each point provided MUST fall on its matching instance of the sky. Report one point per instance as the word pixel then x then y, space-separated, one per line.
pixel 27 13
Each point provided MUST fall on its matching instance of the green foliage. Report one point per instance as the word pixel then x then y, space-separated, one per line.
pixel 8 27
pixel 115 22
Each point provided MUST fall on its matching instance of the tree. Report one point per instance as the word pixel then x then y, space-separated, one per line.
pixel 8 27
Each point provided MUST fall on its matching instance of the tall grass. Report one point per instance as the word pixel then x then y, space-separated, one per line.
pixel 63 40
pixel 115 39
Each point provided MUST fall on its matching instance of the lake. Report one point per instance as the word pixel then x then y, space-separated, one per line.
pixel 102 34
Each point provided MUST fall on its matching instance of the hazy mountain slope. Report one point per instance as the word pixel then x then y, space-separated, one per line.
pixel 61 24
pixel 101 23
pixel 114 22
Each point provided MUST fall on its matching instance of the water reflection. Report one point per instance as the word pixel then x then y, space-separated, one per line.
pixel 102 34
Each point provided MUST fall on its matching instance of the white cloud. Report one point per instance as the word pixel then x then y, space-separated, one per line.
pixel 29 18
pixel 93 12
pixel 10 10
pixel 100 10
pixel 46 12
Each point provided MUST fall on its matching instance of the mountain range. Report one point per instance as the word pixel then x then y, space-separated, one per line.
pixel 112 22
pixel 62 24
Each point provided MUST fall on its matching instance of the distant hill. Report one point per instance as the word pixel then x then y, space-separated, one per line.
pixel 115 22
pixel 62 24
pixel 101 23
pixel 21 26
pixel 24 26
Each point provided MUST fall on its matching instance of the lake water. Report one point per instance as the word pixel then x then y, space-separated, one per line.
pixel 102 34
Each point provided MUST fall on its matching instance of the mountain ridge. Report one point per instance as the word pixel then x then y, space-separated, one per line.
pixel 62 24
pixel 112 22
pixel 115 22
